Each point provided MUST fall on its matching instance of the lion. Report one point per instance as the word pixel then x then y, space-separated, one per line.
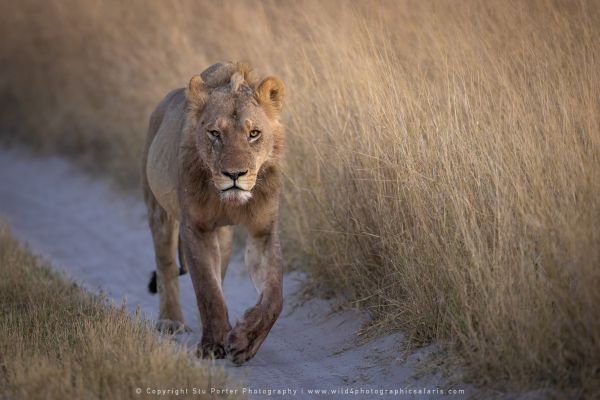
pixel 212 160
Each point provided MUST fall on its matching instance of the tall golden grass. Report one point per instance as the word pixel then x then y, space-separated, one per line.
pixel 443 157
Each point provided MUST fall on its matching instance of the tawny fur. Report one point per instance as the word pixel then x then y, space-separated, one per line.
pixel 212 160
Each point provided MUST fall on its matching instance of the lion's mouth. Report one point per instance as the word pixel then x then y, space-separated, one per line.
pixel 235 195
pixel 233 187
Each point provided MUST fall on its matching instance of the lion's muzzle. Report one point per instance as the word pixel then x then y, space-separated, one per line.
pixel 235 186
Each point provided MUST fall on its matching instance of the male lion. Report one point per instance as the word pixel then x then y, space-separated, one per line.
pixel 212 160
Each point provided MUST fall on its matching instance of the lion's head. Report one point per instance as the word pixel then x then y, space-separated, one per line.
pixel 235 123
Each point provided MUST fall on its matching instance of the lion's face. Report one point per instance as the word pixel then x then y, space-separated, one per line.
pixel 235 138
pixel 236 133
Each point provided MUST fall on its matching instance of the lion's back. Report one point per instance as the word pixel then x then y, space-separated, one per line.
pixel 163 140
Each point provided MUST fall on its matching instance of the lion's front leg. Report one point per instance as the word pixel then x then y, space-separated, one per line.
pixel 263 259
pixel 201 249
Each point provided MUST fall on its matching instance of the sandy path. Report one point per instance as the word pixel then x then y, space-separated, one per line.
pixel 101 239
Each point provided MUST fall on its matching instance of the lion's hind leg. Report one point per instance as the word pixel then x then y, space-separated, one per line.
pixel 165 231
pixel 225 235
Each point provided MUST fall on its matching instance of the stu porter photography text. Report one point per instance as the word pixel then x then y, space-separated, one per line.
pixel 276 392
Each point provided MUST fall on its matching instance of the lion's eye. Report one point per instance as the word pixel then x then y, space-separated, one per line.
pixel 214 133
pixel 254 133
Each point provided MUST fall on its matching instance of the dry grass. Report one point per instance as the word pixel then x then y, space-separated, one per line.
pixel 444 158
pixel 58 342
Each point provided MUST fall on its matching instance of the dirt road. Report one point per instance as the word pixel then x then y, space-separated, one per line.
pixel 100 237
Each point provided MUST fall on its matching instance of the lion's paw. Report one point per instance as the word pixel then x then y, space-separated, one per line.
pixel 171 327
pixel 210 350
pixel 240 345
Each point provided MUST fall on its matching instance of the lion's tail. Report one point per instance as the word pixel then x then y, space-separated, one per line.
pixel 152 285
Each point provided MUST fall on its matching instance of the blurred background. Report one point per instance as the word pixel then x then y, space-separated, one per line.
pixel 443 158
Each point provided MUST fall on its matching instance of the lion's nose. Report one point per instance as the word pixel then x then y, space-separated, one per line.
pixel 234 174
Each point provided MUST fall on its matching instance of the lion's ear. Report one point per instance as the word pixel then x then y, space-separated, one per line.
pixel 270 94
pixel 195 92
